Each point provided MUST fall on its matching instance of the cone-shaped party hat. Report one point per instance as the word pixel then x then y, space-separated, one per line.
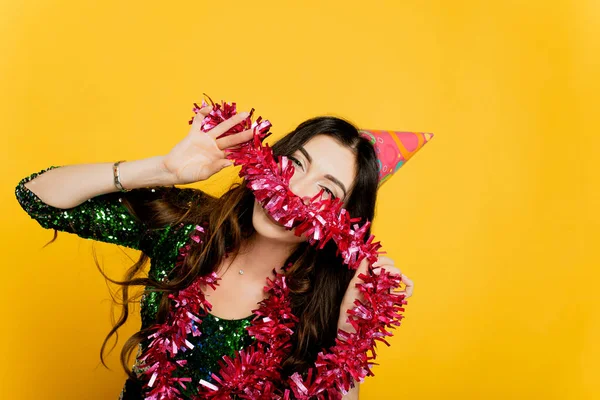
pixel 394 148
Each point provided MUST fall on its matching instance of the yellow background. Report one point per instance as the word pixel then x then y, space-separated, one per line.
pixel 495 219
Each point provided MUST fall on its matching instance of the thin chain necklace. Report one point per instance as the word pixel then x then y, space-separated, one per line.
pixel 241 271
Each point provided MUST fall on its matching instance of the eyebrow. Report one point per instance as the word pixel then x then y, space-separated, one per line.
pixel 330 177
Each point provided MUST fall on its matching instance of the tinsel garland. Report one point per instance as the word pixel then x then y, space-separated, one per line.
pixel 255 372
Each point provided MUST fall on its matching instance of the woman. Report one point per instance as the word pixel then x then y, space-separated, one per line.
pixel 140 208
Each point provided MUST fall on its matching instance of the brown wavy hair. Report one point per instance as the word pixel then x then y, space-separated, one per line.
pixel 317 278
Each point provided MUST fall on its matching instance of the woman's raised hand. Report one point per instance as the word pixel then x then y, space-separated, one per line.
pixel 352 293
pixel 200 154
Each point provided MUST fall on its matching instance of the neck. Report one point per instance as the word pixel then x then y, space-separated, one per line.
pixel 260 255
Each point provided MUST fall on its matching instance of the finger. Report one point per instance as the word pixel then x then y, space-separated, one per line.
pixel 227 125
pixel 204 111
pixel 389 268
pixel 361 269
pixel 235 139
pixel 382 260
pixel 410 286
pixel 200 115
pixel 219 165
pixel 406 296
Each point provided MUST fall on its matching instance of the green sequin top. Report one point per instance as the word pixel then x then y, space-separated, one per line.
pixel 105 218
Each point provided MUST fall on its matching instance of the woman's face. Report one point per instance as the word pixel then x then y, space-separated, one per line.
pixel 320 164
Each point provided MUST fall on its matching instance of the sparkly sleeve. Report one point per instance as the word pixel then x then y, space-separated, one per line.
pixel 103 218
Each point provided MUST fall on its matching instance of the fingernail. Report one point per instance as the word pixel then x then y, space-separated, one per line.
pixel 244 114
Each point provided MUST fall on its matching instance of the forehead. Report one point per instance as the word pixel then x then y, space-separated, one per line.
pixel 331 157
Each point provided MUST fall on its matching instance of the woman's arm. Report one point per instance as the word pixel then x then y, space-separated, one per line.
pixel 71 185
pixel 344 325
pixel 82 199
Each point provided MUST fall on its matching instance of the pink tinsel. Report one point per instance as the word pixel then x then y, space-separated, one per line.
pixel 255 372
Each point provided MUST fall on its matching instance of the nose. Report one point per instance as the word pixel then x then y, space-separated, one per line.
pixel 303 188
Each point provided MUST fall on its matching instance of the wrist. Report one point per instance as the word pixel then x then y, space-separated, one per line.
pixel 163 174
pixel 147 172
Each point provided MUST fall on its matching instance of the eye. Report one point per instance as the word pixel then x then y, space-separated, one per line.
pixel 299 164
pixel 333 196
pixel 295 161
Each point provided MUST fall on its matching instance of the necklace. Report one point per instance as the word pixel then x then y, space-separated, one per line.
pixel 241 271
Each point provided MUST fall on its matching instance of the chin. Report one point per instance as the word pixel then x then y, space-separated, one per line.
pixel 269 228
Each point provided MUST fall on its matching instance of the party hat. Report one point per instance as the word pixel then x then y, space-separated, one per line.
pixel 394 149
